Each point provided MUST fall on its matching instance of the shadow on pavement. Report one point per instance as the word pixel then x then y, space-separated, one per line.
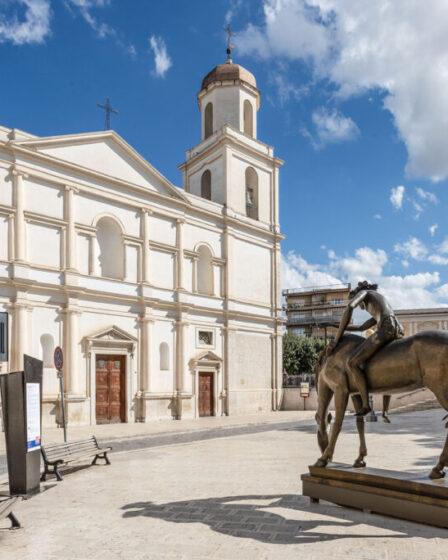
pixel 252 520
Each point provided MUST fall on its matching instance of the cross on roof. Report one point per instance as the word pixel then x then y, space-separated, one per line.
pixel 230 46
pixel 108 110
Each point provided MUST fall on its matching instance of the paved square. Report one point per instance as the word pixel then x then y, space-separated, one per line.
pixel 226 498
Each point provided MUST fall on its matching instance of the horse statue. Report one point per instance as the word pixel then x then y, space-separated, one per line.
pixel 403 365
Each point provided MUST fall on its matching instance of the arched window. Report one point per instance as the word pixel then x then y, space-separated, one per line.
pixel 206 185
pixel 205 271
pixel 111 248
pixel 47 344
pixel 208 120
pixel 251 193
pixel 164 350
pixel 248 118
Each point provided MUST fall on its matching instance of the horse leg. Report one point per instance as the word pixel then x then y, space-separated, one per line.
pixel 325 394
pixel 386 404
pixel 357 403
pixel 437 471
pixel 340 401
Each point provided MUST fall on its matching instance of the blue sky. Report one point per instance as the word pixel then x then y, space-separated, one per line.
pixel 353 99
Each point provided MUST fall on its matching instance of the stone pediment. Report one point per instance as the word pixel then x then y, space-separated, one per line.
pixel 104 153
pixel 207 357
pixel 111 337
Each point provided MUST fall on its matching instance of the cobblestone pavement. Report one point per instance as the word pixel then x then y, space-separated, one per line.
pixel 229 497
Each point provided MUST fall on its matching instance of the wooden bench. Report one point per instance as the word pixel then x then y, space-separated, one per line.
pixel 57 454
pixel 6 505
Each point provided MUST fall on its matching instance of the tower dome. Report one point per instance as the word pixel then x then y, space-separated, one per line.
pixel 229 72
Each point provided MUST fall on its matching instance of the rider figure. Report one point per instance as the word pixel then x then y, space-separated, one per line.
pixel 388 328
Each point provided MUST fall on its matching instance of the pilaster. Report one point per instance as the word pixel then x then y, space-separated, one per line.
pixel 144 227
pixel 19 222
pixel 180 254
pixel 70 234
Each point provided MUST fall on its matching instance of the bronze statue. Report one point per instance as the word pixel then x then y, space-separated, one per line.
pixel 388 328
pixel 403 365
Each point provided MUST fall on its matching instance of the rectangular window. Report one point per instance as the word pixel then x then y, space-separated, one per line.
pixel 204 338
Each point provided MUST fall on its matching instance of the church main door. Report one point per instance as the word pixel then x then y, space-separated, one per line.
pixel 205 404
pixel 110 389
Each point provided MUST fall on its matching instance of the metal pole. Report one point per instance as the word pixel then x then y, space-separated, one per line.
pixel 61 388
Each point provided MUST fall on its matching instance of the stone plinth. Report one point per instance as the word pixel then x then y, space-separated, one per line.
pixel 398 494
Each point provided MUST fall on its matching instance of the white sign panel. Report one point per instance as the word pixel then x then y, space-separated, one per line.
pixel 32 416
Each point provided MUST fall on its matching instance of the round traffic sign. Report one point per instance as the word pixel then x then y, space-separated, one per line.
pixel 58 357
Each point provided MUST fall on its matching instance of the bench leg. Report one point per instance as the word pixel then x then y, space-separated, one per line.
pixel 101 456
pixel 15 524
pixel 57 473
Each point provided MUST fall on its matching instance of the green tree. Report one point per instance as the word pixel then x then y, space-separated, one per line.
pixel 300 353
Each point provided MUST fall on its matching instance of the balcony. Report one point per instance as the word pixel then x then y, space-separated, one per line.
pixel 319 320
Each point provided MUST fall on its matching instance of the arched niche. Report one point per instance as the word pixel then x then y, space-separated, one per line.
pixel 251 193
pixel 111 248
pixel 205 271
pixel 208 120
pixel 206 185
pixel 47 348
pixel 164 354
pixel 248 114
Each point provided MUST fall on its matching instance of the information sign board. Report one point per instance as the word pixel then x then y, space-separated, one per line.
pixel 33 435
pixel 304 389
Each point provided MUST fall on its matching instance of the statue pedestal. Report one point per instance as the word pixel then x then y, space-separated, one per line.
pixel 413 497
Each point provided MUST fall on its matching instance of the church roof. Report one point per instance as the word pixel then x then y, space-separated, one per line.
pixel 229 72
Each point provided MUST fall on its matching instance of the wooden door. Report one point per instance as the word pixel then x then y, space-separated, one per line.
pixel 206 394
pixel 110 389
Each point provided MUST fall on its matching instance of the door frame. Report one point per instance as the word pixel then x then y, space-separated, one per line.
pixel 111 341
pixel 123 401
pixel 214 391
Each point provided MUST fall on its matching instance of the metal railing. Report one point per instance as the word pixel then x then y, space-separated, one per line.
pixel 316 289
pixel 295 380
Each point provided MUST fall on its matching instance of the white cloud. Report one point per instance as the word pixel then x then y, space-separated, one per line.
pixel 411 290
pixel 412 248
pixel 397 48
pixel 378 217
pixel 443 247
pixel 432 229
pixel 33 27
pixel 438 259
pixel 427 195
pixel 330 126
pixel 85 8
pixel 162 61
pixel 396 196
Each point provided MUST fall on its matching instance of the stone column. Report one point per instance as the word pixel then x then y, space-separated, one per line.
pixel 92 255
pixel 11 243
pixel 145 353
pixel 194 280
pixel 180 365
pixel 70 238
pixel 19 222
pixel 72 372
pixel 19 342
pixel 144 226
pixel 180 254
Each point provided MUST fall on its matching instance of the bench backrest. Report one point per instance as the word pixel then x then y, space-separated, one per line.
pixel 55 451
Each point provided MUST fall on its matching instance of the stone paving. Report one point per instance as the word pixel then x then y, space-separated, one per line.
pixel 226 498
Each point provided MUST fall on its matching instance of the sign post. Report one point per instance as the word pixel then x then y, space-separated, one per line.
pixel 58 364
pixel 304 392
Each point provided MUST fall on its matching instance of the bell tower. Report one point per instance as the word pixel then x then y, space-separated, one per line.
pixel 230 166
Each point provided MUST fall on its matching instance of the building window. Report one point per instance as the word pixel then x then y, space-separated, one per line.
pixel 206 185
pixel 251 193
pixel 248 118
pixel 47 344
pixel 111 248
pixel 164 350
pixel 205 271
pixel 205 338
pixel 208 120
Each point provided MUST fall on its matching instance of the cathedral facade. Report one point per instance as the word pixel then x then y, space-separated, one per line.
pixel 165 300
